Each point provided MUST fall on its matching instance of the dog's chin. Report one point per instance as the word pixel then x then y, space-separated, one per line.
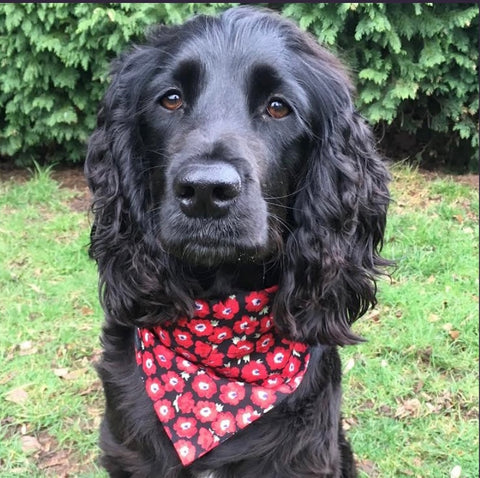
pixel 216 254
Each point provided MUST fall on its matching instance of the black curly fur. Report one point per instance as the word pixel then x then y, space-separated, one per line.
pixel 312 181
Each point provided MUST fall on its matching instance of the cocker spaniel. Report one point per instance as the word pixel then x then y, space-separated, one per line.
pixel 239 209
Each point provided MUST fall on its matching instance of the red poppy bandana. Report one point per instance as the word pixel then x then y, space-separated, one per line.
pixel 216 373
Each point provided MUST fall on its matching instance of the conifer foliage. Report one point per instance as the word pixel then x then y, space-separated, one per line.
pixel 415 67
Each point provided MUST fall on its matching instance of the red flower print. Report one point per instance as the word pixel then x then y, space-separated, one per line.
pixel 300 348
pixel 245 326
pixel 264 343
pixel 205 438
pixel 245 416
pixel 147 338
pixel 182 322
pixel 232 393
pixel 183 338
pixel 271 289
pixel 202 349
pixel 220 334
pixel 154 388
pixel 200 328
pixel 256 301
pixel 273 381
pixel 148 364
pixel 263 397
pixel 186 354
pixel 185 365
pixel 164 410
pixel 164 356
pixel 229 372
pixel 165 338
pixel 163 335
pixel 205 411
pixel 185 427
pixel 173 381
pixel 185 402
pixel 266 324
pixel 201 308
pixel 278 358
pixel 293 366
pixel 185 450
pixel 215 359
pixel 254 371
pixel 204 386
pixel 242 348
pixel 225 423
pixel 285 388
pixel 216 372
pixel 226 310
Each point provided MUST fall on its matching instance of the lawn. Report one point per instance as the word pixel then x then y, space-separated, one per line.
pixel 410 391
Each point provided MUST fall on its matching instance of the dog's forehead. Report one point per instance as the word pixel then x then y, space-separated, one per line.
pixel 240 45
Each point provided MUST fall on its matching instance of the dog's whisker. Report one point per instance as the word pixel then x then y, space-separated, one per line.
pixel 285 196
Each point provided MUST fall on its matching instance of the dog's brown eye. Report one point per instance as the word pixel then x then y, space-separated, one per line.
pixel 278 109
pixel 171 100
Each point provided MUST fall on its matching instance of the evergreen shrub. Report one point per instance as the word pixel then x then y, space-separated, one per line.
pixel 416 72
pixel 54 64
pixel 415 68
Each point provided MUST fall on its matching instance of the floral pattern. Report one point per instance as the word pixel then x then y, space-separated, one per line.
pixel 216 373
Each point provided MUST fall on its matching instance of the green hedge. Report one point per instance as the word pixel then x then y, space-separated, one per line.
pixel 416 70
pixel 415 66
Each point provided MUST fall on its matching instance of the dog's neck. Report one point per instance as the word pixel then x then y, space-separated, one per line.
pixel 216 281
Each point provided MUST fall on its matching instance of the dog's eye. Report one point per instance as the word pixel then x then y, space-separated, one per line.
pixel 278 109
pixel 171 100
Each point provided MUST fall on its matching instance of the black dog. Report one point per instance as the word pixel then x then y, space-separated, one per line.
pixel 229 158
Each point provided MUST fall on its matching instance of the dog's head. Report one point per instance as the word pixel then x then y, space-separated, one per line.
pixel 235 140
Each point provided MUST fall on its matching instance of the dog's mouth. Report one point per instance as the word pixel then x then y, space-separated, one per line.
pixel 242 234
pixel 212 252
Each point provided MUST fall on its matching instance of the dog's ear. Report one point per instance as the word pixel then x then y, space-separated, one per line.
pixel 339 214
pixel 116 174
pixel 115 150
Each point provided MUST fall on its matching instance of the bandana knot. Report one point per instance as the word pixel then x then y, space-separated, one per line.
pixel 211 376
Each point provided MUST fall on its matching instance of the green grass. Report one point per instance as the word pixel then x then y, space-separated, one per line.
pixel 411 396
pixel 410 392
pixel 50 401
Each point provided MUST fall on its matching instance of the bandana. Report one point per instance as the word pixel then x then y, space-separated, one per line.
pixel 210 376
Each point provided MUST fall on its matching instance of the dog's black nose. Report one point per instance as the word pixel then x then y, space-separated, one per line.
pixel 207 190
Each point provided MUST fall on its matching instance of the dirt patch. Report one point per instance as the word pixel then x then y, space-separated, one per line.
pixel 53 459
pixel 470 180
pixel 72 178
pixel 68 177
pixel 9 173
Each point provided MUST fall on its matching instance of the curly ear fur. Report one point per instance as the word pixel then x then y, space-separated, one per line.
pixel 136 277
pixel 332 257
